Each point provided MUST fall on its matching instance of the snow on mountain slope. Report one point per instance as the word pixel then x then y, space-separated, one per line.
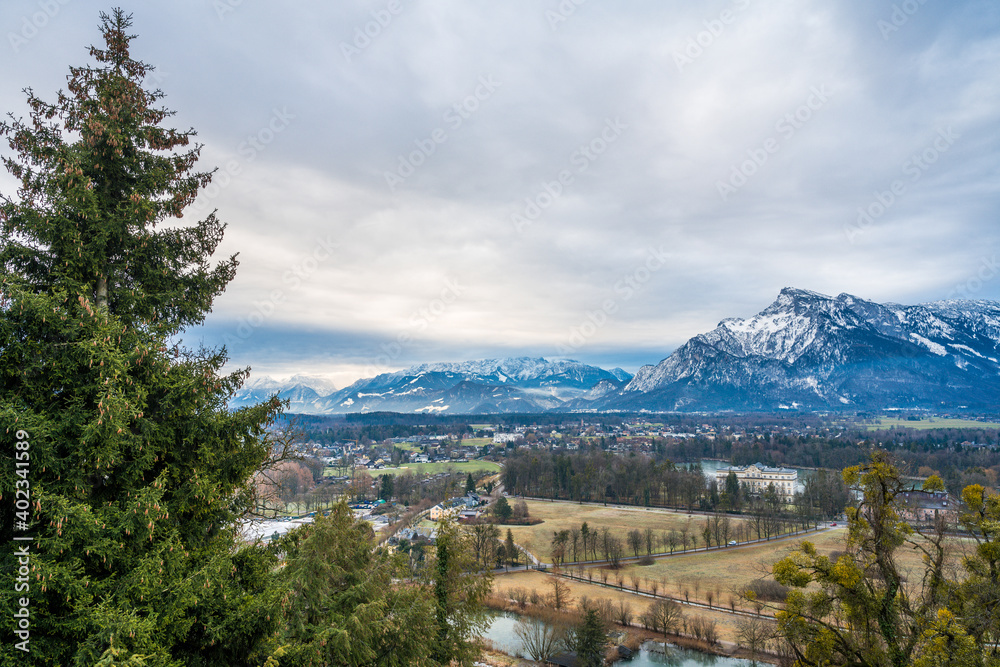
pixel 520 384
pixel 823 351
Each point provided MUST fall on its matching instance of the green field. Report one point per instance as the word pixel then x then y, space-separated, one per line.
pixel 434 468
pixel 477 442
pixel 929 423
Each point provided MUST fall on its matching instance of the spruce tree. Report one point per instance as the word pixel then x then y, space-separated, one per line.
pixel 590 639
pixel 137 470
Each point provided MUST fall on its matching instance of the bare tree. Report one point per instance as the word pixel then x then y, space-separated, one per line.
pixel 635 540
pixel 615 552
pixel 650 540
pixel 519 596
pixel 623 613
pixel 664 616
pixel 540 639
pixel 560 596
pixel 754 633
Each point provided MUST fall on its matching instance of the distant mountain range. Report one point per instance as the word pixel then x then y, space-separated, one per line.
pixel 805 351
pixel 519 384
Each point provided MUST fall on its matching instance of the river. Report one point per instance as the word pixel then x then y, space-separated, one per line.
pixel 652 654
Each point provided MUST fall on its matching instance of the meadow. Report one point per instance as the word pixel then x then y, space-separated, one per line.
pixel 560 515
pixel 424 469
pixel 929 423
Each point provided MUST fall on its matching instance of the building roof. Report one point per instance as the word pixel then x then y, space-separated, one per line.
pixel 563 660
pixel 759 466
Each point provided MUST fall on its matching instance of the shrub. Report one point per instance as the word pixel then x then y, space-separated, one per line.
pixel 768 590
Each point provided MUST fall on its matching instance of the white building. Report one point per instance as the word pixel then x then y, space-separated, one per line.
pixel 440 510
pixel 756 477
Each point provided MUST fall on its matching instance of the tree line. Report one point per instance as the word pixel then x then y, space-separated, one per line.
pixel 642 479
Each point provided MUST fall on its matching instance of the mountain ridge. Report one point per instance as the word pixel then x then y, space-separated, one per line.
pixel 510 384
pixel 822 352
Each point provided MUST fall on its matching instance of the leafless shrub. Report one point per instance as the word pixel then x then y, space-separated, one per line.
pixel 767 590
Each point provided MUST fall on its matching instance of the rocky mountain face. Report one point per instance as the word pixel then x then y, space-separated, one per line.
pixel 812 351
pixel 520 384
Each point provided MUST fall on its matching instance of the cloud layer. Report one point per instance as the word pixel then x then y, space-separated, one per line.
pixel 424 181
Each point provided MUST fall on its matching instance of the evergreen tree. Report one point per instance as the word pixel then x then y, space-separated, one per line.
pixel 502 509
pixel 733 493
pixel 510 549
pixel 589 640
pixel 460 587
pixel 138 471
pixel 341 606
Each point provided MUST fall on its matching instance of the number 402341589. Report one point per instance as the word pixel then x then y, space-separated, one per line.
pixel 22 493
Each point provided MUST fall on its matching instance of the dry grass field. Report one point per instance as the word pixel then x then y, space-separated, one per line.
pixel 719 574
pixel 727 570
pixel 541 582
pixel 558 516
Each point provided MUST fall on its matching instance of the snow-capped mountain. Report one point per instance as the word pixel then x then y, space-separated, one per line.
pixel 302 391
pixel 521 384
pixel 813 351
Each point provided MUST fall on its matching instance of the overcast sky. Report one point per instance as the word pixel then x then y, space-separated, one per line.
pixel 414 181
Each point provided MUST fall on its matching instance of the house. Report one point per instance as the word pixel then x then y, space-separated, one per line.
pixel 439 511
pixel 756 477
pixel 926 506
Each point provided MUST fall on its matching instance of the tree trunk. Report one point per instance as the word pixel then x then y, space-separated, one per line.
pixel 102 292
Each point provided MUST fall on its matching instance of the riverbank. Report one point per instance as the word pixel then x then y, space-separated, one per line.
pixel 631 635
